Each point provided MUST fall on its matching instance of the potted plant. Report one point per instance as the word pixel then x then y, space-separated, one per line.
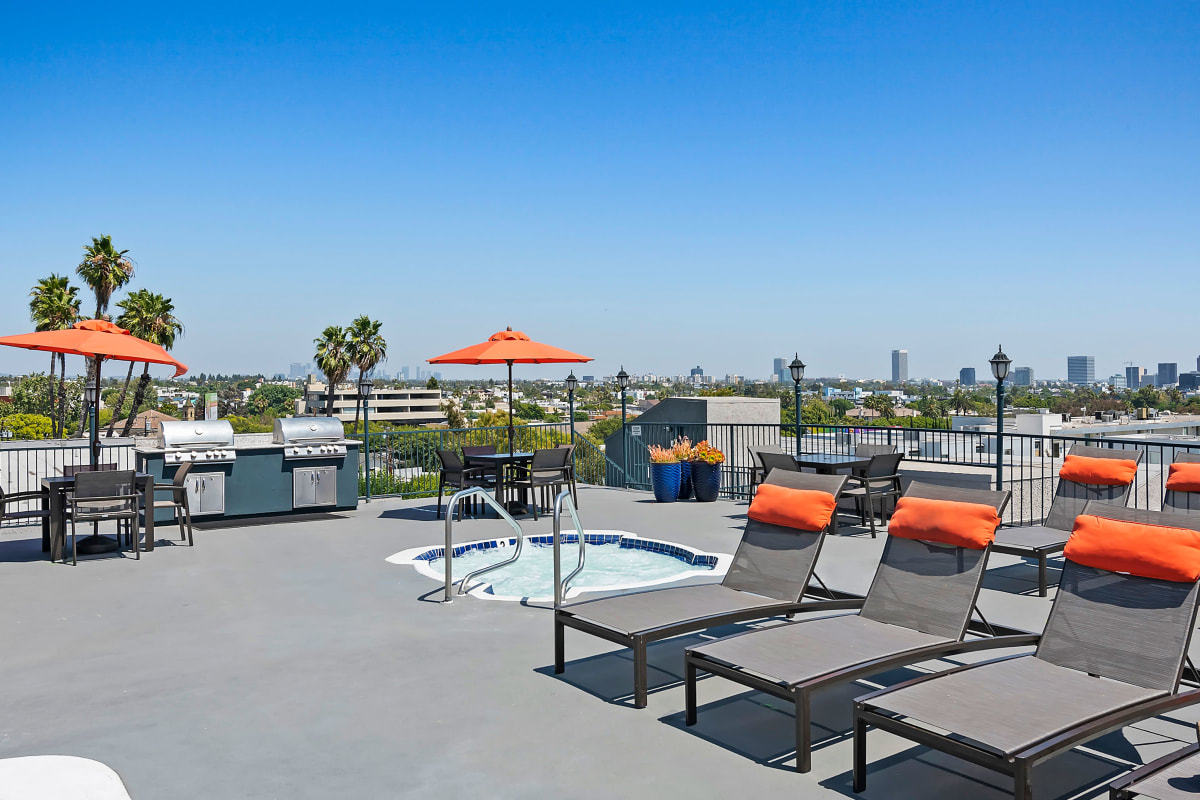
pixel 706 471
pixel 683 453
pixel 665 473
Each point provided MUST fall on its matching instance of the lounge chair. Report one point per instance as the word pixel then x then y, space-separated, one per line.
pixel 1175 776
pixel 769 576
pixel 918 608
pixel 1112 653
pixel 1041 541
pixel 1182 493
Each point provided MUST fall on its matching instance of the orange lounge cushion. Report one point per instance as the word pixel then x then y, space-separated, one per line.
pixel 806 509
pixel 1098 471
pixel 951 522
pixel 1184 477
pixel 1151 551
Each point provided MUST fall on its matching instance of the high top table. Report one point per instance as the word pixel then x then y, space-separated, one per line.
pixel 498 461
pixel 829 463
pixel 54 526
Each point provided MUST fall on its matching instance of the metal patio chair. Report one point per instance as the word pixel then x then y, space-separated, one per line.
pixel 104 496
pixel 8 502
pixel 769 576
pixel 178 502
pixel 918 608
pixel 1041 541
pixel 569 471
pixel 456 475
pixel 758 471
pixel 1112 653
pixel 772 461
pixel 547 471
pixel 869 450
pixel 879 481
pixel 1175 776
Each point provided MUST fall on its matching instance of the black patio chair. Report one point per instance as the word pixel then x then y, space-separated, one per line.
pixel 546 472
pixel 1042 541
pixel 178 502
pixel 9 511
pixel 869 450
pixel 569 471
pixel 758 470
pixel 1178 501
pixel 772 461
pixel 1112 653
pixel 456 475
pixel 769 576
pixel 917 609
pixel 104 496
pixel 879 481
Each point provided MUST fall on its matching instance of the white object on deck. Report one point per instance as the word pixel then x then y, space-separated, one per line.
pixel 58 778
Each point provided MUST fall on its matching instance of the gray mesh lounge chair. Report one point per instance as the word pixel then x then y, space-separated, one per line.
pixel 1175 776
pixel 1041 541
pixel 1183 502
pixel 918 608
pixel 769 576
pixel 1112 653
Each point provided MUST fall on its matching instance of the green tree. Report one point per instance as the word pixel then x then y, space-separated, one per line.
pixel 271 398
pixel 454 415
pixel 604 428
pixel 366 348
pixel 881 403
pixel 333 359
pixel 53 306
pixel 151 317
pixel 528 411
pixel 29 426
pixel 104 269
pixel 432 383
pixel 839 406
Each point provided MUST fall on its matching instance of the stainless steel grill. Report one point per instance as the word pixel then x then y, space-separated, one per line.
pixel 200 441
pixel 311 437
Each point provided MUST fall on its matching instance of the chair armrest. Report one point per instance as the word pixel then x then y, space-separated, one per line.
pixel 169 487
pixel 863 480
pixel 16 497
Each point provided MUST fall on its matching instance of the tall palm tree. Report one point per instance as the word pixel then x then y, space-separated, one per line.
pixel 881 403
pixel 333 359
pixel 54 305
pixel 104 269
pixel 151 317
pixel 136 317
pixel 366 348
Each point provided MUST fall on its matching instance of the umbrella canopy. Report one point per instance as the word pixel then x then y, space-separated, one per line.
pixel 510 347
pixel 95 338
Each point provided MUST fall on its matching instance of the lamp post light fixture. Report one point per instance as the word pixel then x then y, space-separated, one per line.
pixel 1000 364
pixel 91 397
pixel 623 384
pixel 365 386
pixel 572 382
pixel 797 368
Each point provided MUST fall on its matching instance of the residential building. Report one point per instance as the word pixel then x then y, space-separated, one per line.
pixel 1168 373
pixel 1118 382
pixel 1022 376
pixel 1135 377
pixel 966 376
pixel 899 366
pixel 1081 370
pixel 399 405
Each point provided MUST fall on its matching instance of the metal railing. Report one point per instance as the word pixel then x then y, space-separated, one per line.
pixel 448 552
pixel 24 464
pixel 561 583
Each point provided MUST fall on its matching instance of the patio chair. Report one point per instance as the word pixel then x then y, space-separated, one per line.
pixel 1175 776
pixel 917 609
pixel 758 470
pixel 178 502
pixel 546 472
pixel 477 450
pixel 878 482
pixel 456 475
pixel 769 576
pixel 1112 653
pixel 8 502
pixel 1182 494
pixel 869 450
pixel 569 471
pixel 772 461
pixel 1041 541
pixel 104 496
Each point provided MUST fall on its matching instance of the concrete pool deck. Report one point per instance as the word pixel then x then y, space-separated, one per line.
pixel 289 659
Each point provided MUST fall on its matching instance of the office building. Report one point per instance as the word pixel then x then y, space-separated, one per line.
pixel 696 372
pixel 1189 381
pixel 1135 377
pixel 1023 376
pixel 1168 373
pixel 1081 370
pixel 899 366
pixel 299 370
pixel 966 376
pixel 779 368
pixel 1118 382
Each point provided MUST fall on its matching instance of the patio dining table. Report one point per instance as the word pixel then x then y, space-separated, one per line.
pixel 829 463
pixel 498 462
pixel 54 526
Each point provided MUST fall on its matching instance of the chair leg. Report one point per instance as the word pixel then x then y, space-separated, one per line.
pixel 74 545
pixel 135 533
pixel 803 731
pixel 560 648
pixel 640 670
pixel 441 488
pixel 188 513
pixel 870 506
pixel 860 754
pixel 690 676
pixel 1042 588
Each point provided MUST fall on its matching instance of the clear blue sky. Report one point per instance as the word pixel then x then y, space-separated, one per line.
pixel 658 186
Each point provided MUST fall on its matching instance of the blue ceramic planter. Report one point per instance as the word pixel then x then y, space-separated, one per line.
pixel 706 481
pixel 685 480
pixel 665 480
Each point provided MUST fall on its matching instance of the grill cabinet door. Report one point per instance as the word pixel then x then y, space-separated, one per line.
pixel 326 486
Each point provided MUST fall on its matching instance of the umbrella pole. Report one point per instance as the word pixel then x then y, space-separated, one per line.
pixel 511 431
pixel 93 419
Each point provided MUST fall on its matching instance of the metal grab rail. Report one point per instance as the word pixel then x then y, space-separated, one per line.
pixel 560 583
pixel 449 549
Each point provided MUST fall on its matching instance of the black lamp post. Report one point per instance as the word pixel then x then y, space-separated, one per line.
pixel 623 384
pixel 365 386
pixel 91 396
pixel 1000 364
pixel 572 382
pixel 797 368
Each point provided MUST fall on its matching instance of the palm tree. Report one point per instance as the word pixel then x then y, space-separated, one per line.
pixel 54 305
pixel 104 269
pixel 961 401
pixel 151 317
pixel 333 359
pixel 881 403
pixel 366 348
pixel 135 317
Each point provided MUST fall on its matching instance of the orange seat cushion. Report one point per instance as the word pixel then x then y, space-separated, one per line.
pixel 1184 477
pixel 806 509
pixel 1098 471
pixel 961 524
pixel 1151 551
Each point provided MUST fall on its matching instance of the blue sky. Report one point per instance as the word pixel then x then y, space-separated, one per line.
pixel 657 186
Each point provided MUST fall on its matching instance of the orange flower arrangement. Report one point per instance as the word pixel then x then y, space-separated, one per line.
pixel 662 455
pixel 707 453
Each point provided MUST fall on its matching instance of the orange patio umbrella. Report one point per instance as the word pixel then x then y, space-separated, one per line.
pixel 510 347
pixel 99 339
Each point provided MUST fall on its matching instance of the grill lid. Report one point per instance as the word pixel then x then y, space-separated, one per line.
pixel 196 435
pixel 309 430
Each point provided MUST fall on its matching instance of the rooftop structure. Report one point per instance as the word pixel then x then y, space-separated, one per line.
pixel 402 406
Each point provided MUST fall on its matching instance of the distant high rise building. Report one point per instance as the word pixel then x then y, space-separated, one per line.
pixel 1198 363
pixel 1168 373
pixel 1134 377
pixel 1023 376
pixel 966 376
pixel 1081 370
pixel 781 371
pixel 1189 381
pixel 299 370
pixel 1118 382
pixel 696 372
pixel 899 366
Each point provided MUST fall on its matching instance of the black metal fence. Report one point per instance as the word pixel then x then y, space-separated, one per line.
pixel 23 465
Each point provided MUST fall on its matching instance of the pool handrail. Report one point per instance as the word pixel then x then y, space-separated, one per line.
pixel 560 584
pixel 475 491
